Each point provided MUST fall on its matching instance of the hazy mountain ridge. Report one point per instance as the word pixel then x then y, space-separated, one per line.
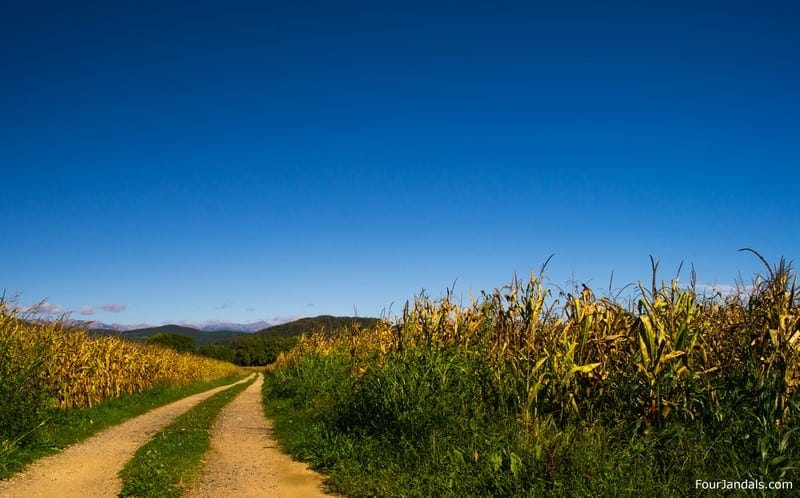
pixel 208 326
pixel 327 323
pixel 202 337
pixel 236 327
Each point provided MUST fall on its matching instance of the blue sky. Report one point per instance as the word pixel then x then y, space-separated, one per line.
pixel 244 161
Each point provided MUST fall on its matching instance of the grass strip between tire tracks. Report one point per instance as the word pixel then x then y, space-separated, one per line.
pixel 63 428
pixel 171 459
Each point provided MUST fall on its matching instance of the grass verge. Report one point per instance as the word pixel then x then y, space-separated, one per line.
pixel 63 428
pixel 171 458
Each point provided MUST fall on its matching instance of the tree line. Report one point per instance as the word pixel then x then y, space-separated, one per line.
pixel 255 350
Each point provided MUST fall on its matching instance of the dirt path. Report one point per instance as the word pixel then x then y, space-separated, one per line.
pixel 89 469
pixel 245 461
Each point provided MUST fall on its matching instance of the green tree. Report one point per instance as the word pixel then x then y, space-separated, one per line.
pixel 179 342
pixel 219 352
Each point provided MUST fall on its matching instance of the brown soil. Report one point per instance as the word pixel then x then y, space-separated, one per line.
pixel 89 468
pixel 245 461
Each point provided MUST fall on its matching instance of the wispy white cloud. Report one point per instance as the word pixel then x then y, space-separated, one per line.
pixel 250 309
pixel 45 308
pixel 723 289
pixel 228 304
pixel 114 307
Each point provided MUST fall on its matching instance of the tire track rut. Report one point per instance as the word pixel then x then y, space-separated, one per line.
pixel 90 468
pixel 245 460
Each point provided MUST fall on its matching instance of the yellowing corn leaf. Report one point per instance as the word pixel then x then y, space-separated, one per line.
pixel 585 368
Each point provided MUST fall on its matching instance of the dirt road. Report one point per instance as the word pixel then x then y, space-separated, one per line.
pixel 246 462
pixel 89 468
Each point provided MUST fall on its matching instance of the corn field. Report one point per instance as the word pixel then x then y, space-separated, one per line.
pixel 728 365
pixel 75 371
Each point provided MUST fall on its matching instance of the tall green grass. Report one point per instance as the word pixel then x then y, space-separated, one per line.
pixel 528 392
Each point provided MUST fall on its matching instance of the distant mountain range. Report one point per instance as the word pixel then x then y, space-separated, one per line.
pixel 209 326
pixel 204 337
pixel 237 327
pixel 200 337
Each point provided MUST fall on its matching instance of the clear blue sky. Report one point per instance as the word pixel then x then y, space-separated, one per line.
pixel 188 161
